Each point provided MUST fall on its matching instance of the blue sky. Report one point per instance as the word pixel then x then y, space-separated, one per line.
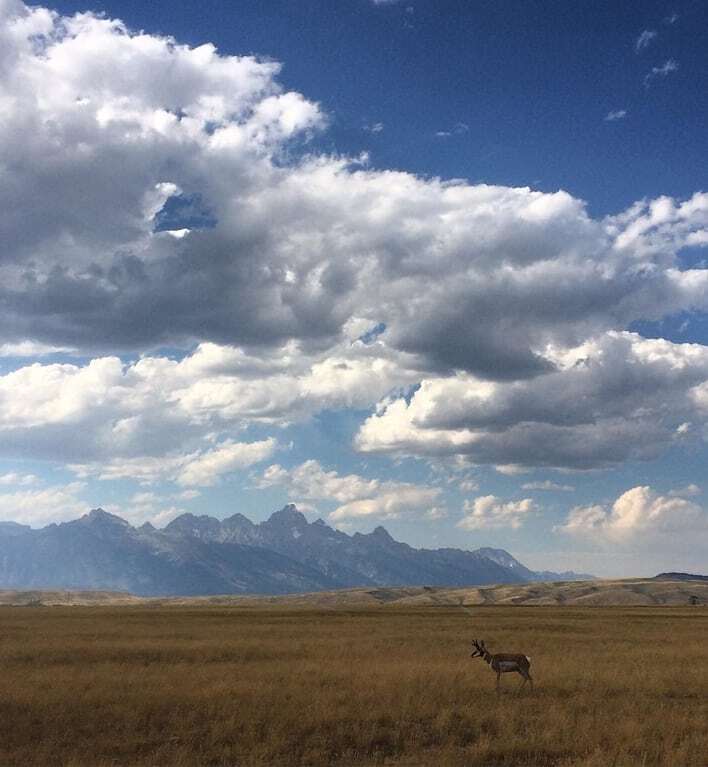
pixel 433 265
pixel 531 81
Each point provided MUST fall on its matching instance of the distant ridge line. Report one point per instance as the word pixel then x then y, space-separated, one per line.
pixel 634 592
pixel 680 577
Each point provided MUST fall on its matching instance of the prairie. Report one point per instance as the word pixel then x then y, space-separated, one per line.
pixel 266 685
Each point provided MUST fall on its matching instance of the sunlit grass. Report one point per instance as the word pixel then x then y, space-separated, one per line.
pixel 238 686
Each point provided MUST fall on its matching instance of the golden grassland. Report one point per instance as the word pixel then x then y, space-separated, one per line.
pixel 253 686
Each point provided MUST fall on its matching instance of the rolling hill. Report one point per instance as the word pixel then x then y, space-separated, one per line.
pixel 634 592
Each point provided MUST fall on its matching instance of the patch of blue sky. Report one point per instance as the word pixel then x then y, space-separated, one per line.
pixel 184 211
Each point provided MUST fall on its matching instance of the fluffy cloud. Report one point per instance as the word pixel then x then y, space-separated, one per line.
pixel 229 456
pixel 42 506
pixel 356 495
pixel 390 504
pixel 156 194
pixel 132 417
pixel 615 398
pixel 95 116
pixel 147 507
pixel 156 508
pixel 200 469
pixel 311 481
pixel 700 397
pixel 637 515
pixel 108 128
pixel 488 511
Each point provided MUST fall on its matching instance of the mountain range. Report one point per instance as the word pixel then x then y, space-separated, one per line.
pixel 202 555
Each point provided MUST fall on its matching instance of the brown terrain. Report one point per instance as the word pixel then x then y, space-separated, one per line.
pixel 357 678
pixel 598 593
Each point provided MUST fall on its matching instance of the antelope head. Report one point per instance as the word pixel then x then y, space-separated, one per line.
pixel 479 649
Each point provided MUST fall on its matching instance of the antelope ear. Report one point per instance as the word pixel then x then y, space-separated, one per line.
pixel 481 642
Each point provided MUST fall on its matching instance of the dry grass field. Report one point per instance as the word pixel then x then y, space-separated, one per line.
pixel 248 686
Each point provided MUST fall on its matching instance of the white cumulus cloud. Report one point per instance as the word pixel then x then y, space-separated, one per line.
pixel 615 398
pixel 489 512
pixel 230 456
pixel 296 245
pixel 357 496
pixel 144 409
pixel 637 515
pixel 42 506
pixel 201 468
pixel 473 291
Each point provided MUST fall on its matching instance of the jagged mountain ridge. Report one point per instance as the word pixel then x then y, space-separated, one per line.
pixel 201 555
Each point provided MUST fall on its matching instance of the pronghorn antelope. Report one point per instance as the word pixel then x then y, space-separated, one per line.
pixel 503 662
